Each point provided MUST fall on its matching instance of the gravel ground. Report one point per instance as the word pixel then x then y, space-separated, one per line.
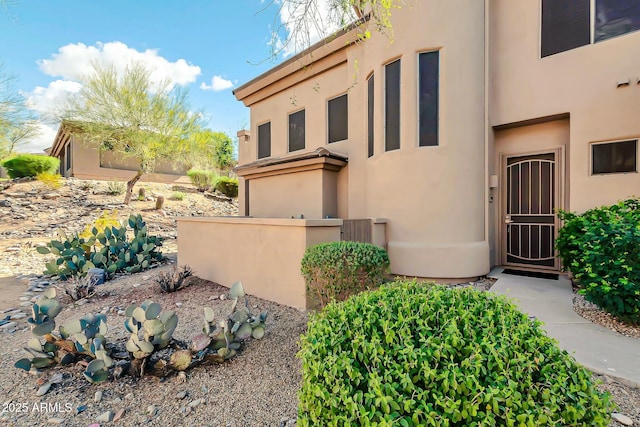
pixel 592 312
pixel 257 388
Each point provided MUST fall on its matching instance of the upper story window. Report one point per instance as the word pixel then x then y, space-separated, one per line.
pixel 567 24
pixel 392 106
pixel 296 131
pixel 338 112
pixel 370 94
pixel 616 17
pixel 428 95
pixel 264 140
pixel 614 157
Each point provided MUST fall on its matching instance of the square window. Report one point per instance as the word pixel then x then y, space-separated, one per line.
pixel 338 111
pixel 614 157
pixel 296 131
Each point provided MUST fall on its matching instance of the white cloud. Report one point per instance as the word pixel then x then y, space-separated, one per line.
pixel 304 22
pixel 75 60
pixel 46 100
pixel 218 83
pixel 41 141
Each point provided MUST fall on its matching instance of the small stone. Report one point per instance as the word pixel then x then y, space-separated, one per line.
pixel 56 379
pixel 98 396
pixel 18 316
pixel 50 196
pixel 195 403
pixel 55 421
pixel 24 298
pixel 119 415
pixel 135 285
pixel 622 419
pixel 129 396
pixel 43 390
pixel 182 377
pixel 8 326
pixel 181 395
pixel 223 297
pixel 116 400
pixel 12 249
pixel 213 298
pixel 152 411
pixel 105 417
pixel 178 304
pixel 121 313
pixel 146 277
pixel 81 302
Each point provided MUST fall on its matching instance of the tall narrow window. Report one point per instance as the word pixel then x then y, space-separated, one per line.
pixel 565 25
pixel 370 93
pixel 616 17
pixel 392 106
pixel 428 76
pixel 338 118
pixel 614 157
pixel 264 140
pixel 296 131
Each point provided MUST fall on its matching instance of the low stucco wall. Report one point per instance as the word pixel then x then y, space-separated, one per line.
pixel 263 253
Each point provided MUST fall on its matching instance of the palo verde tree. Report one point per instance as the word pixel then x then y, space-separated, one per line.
pixel 18 123
pixel 131 114
pixel 304 21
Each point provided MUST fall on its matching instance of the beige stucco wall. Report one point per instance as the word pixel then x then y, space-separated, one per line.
pixel 264 254
pixel 86 165
pixel 581 82
pixel 433 197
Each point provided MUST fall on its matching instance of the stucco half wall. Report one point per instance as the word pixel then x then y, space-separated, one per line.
pixel 263 253
pixel 437 261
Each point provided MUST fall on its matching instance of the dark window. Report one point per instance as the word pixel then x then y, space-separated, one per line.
pixel 392 106
pixel 370 93
pixel 616 17
pixel 565 25
pixel 428 100
pixel 296 131
pixel 614 157
pixel 264 140
pixel 68 156
pixel 338 118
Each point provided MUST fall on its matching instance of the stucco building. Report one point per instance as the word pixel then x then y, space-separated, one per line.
pixel 84 160
pixel 466 133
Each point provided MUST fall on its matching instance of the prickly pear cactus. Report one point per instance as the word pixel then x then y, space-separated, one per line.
pixel 151 328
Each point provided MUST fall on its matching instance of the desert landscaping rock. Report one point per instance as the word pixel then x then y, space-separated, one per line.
pixel 98 396
pixel 105 417
pixel 622 419
pixel 43 390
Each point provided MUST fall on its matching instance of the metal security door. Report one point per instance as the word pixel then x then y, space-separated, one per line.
pixel 529 211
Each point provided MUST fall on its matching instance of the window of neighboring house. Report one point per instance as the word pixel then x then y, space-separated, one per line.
pixel 68 156
pixel 428 88
pixel 370 94
pixel 614 157
pixel 338 112
pixel 565 25
pixel 296 131
pixel 616 17
pixel 264 140
pixel 392 106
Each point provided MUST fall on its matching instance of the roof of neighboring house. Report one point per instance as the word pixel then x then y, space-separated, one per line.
pixel 64 131
pixel 319 152
pixel 315 54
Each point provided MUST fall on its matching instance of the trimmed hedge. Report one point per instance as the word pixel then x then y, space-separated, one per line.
pixel 338 270
pixel 227 186
pixel 27 165
pixel 411 354
pixel 601 247
pixel 201 179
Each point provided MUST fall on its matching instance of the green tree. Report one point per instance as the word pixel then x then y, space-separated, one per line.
pixel 134 116
pixel 213 150
pixel 17 122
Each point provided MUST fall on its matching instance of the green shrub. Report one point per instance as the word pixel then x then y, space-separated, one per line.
pixel 177 195
pixel 227 186
pixel 30 165
pixel 201 179
pixel 601 247
pixel 338 270
pixel 410 354
pixel 52 181
pixel 115 188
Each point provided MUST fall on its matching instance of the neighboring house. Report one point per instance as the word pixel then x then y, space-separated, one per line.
pixel 84 160
pixel 466 133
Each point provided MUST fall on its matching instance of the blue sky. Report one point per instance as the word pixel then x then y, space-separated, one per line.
pixel 209 47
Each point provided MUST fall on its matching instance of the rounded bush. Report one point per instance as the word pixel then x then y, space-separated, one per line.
pixel 201 179
pixel 601 247
pixel 26 165
pixel 338 270
pixel 227 186
pixel 411 354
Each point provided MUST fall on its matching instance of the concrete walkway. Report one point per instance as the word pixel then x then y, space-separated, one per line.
pixel 599 349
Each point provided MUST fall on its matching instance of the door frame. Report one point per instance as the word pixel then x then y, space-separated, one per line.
pixel 559 200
